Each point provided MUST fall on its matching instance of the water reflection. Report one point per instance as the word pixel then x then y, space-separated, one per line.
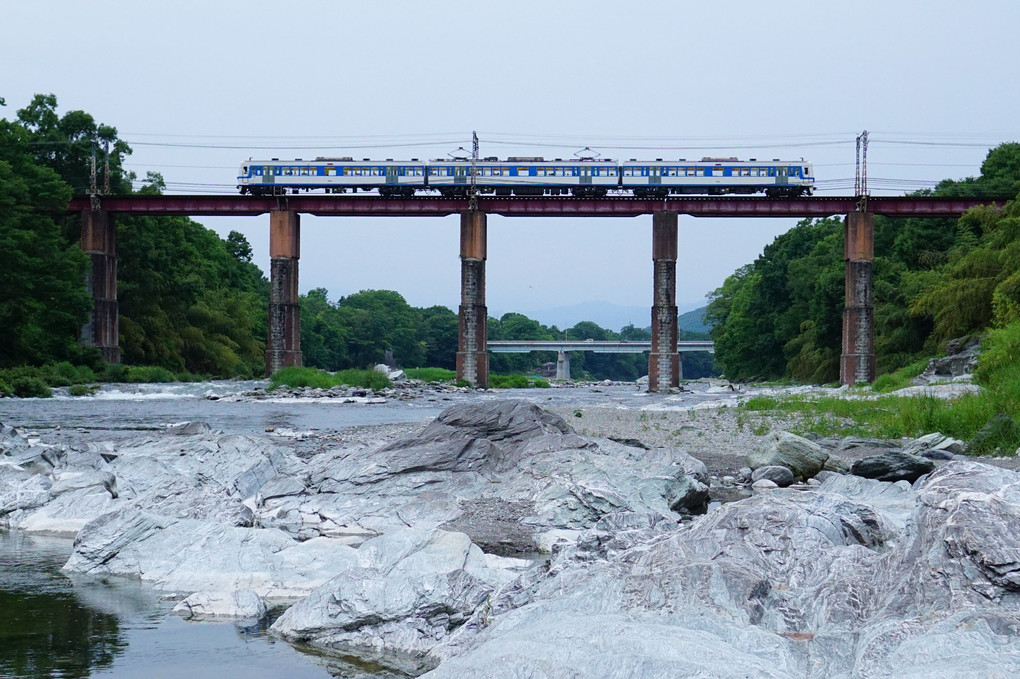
pixel 45 630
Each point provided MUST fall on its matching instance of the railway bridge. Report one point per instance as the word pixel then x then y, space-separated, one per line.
pixel 283 348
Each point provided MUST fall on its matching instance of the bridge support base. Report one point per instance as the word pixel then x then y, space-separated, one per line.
pixel 99 242
pixel 563 365
pixel 472 352
pixel 857 362
pixel 664 361
pixel 283 345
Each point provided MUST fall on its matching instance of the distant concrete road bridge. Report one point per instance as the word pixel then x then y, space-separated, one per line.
pixel 283 346
pixel 564 347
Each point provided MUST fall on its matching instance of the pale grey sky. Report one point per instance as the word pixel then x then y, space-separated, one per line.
pixel 197 87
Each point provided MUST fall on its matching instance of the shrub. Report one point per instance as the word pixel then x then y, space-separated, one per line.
pixel 114 372
pixel 83 389
pixel 30 387
pixel 431 374
pixel 5 389
pixel 509 381
pixel 143 373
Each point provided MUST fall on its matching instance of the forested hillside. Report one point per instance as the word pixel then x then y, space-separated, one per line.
pixel 189 300
pixel 935 279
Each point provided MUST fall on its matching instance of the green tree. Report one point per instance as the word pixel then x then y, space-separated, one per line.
pixel 441 333
pixel 43 301
pixel 381 320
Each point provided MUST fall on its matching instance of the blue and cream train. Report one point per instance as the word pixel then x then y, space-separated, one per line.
pixel 529 177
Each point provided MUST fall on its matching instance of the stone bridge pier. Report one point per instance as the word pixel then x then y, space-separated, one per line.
pixel 664 361
pixel 472 352
pixel 857 362
pixel 99 242
pixel 283 344
pixel 563 365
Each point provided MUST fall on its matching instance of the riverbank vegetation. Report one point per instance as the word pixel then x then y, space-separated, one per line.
pixel 934 279
pixel 296 377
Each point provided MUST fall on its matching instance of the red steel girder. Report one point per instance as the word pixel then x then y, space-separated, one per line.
pixel 614 206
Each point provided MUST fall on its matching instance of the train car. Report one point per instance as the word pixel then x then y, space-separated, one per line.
pixel 532 176
pixel 717 176
pixel 334 175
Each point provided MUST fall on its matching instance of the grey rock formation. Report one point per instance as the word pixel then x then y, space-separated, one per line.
pixel 404 594
pixel 856 578
pixel 804 458
pixel 504 472
pixel 893 466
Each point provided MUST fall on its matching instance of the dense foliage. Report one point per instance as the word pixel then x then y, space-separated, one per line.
pixel 935 279
pixel 359 330
pixel 189 301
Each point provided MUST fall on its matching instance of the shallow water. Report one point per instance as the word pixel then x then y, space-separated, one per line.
pixel 52 625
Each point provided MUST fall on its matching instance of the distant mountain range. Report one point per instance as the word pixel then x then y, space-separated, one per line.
pixel 615 316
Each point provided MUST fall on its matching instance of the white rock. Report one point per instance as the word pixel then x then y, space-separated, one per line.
pixel 241 603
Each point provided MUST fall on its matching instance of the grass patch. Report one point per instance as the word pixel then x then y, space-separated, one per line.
pixel 517 382
pixel 886 417
pixel 899 379
pixel 294 377
pixel 431 374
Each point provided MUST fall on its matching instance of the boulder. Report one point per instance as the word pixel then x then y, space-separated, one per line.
pixel 241 603
pixel 804 458
pixel 935 442
pixel 893 466
pixel 781 476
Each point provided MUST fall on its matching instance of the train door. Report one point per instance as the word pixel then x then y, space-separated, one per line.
pixel 782 179
pixel 460 174
pixel 392 175
pixel 267 175
pixel 655 176
pixel 584 176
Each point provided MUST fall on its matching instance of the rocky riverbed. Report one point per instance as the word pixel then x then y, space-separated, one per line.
pixel 582 538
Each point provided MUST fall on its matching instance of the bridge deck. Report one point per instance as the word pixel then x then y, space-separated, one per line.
pixel 351 205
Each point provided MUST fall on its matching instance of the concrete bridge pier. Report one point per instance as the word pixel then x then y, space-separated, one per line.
pixel 664 361
pixel 472 353
pixel 857 362
pixel 283 345
pixel 99 242
pixel 563 365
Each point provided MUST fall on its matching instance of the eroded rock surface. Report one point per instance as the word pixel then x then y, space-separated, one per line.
pixel 856 578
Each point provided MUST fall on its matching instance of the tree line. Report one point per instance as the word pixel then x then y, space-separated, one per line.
pixel 191 302
pixel 357 330
pixel 934 279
